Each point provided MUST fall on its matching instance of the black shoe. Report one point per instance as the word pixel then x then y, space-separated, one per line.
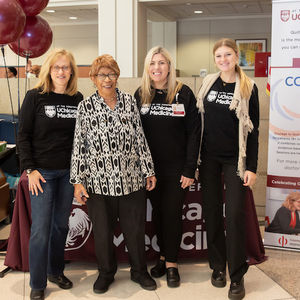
pixel 159 269
pixel 145 280
pixel 37 295
pixel 218 278
pixel 237 290
pixel 173 278
pixel 102 284
pixel 61 280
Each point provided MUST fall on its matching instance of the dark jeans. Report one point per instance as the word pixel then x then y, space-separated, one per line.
pixel 167 201
pixel 50 212
pixel 232 247
pixel 104 212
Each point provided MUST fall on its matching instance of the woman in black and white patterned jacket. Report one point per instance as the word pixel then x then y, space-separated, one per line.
pixel 111 166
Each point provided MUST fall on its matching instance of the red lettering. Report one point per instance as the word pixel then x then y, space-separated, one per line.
pixel 295 16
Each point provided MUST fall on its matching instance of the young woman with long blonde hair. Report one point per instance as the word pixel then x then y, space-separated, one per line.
pixel 228 102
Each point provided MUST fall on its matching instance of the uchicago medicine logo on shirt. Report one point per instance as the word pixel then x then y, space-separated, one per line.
pixel 223 98
pixel 50 111
pixel 212 96
pixel 145 109
pixel 61 111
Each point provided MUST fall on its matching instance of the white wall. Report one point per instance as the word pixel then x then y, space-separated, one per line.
pixel 191 46
pixel 195 40
pixel 81 40
pixel 141 43
pixel 163 34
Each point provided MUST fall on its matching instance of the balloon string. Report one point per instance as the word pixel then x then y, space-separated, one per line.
pixel 9 91
pixel 19 78
pixel 10 97
pixel 26 79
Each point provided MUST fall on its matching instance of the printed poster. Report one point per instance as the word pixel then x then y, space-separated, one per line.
pixel 283 174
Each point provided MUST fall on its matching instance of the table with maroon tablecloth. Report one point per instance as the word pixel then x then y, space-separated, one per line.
pixel 80 241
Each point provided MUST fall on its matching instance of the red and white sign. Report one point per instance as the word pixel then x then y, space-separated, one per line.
pixel 284 128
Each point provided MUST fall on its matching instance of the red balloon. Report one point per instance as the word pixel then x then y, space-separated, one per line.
pixel 33 7
pixel 35 39
pixel 12 21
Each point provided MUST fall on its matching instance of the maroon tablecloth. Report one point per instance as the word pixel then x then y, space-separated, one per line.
pixel 80 241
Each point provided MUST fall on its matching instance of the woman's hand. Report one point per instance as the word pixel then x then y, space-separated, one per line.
pixel 34 184
pixel 150 183
pixel 80 193
pixel 249 178
pixel 186 182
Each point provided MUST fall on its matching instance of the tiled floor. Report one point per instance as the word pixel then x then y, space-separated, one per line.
pixel 278 278
pixel 284 268
pixel 195 285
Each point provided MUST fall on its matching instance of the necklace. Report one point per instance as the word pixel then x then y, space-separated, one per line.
pixel 228 81
pixel 110 99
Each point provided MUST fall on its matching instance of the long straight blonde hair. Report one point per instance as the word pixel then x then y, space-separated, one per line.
pixel 173 85
pixel 245 87
pixel 45 82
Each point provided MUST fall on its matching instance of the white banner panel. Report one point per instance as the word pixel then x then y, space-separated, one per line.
pixel 285 32
pixel 282 212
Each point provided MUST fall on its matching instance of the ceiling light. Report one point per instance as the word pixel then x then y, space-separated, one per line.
pixel 198 11
pixel 188 3
pixel 50 10
pixel 73 18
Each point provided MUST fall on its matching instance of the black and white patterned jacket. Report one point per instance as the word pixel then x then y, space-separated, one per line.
pixel 110 152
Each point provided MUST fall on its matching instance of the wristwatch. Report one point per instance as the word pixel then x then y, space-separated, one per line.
pixel 29 171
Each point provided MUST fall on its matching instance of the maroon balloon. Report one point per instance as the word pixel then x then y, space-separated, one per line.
pixel 12 21
pixel 35 39
pixel 33 7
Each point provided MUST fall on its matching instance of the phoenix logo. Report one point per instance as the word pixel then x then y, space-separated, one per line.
pixel 80 228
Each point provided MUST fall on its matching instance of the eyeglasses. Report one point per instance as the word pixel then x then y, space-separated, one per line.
pixel 63 68
pixel 111 76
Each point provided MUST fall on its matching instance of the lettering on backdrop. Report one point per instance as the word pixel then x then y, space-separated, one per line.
pixel 286 15
pixel 290 81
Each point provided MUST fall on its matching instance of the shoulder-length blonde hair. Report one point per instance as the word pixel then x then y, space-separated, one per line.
pixel 245 87
pixel 173 85
pixel 289 201
pixel 45 82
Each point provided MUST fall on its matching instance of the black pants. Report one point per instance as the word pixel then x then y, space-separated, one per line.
pixel 167 200
pixel 232 247
pixel 131 211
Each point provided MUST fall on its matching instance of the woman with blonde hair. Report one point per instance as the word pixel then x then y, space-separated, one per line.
pixel 172 128
pixel 228 102
pixel 45 138
pixel 286 219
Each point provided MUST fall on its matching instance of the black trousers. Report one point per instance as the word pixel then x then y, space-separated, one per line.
pixel 232 246
pixel 104 212
pixel 167 200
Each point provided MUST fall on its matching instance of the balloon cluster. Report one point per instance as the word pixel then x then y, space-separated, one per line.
pixel 27 34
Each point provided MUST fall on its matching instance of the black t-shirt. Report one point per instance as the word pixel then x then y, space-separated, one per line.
pixel 221 125
pixel 172 132
pixel 46 129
